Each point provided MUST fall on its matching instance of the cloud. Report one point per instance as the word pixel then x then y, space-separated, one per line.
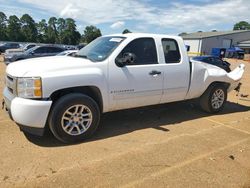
pixel 117 25
pixel 188 16
pixel 69 11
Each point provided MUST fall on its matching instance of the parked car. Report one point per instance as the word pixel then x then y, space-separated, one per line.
pixel 37 51
pixel 20 50
pixel 8 45
pixel 67 53
pixel 28 46
pixel 213 60
pixel 69 47
pixel 80 46
pixel 69 93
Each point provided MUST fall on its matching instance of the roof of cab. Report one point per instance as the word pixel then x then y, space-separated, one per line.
pixel 137 35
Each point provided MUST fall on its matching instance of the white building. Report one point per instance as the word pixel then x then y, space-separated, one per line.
pixel 202 42
pixel 244 45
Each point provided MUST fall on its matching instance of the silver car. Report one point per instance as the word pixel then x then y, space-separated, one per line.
pixel 37 51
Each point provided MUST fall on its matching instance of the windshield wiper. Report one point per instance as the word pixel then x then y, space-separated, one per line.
pixel 83 56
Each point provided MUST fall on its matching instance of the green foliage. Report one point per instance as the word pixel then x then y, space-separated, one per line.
pixel 3 27
pixel 51 32
pixel 42 27
pixel 67 31
pixel 14 29
pixel 243 25
pixel 28 28
pixel 126 31
pixel 91 33
pixel 62 31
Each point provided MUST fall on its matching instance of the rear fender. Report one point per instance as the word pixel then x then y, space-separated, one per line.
pixel 204 75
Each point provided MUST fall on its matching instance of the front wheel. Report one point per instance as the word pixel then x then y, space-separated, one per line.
pixel 213 100
pixel 74 117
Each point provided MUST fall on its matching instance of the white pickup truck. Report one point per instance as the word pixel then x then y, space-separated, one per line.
pixel 114 72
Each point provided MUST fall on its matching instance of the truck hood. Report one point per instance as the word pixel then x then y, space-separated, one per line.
pixel 38 66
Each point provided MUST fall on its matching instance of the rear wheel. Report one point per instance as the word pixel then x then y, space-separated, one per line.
pixel 74 118
pixel 213 100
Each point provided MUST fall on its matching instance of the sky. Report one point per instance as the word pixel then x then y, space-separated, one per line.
pixel 146 16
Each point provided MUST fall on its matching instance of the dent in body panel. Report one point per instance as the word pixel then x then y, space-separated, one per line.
pixel 204 74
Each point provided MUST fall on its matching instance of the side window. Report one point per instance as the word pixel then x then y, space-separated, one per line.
pixel 40 50
pixel 54 50
pixel 171 51
pixel 16 46
pixel 143 49
pixel 13 45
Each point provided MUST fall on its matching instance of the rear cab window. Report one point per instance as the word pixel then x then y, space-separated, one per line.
pixel 171 51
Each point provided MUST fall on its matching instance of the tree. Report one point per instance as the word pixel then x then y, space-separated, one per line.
pixel 63 31
pixel 61 25
pixel 71 33
pixel 29 29
pixel 14 29
pixel 3 27
pixel 91 33
pixel 67 31
pixel 52 33
pixel 126 31
pixel 42 27
pixel 243 25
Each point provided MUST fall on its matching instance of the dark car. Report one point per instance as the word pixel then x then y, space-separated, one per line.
pixel 8 45
pixel 37 51
pixel 80 46
pixel 213 60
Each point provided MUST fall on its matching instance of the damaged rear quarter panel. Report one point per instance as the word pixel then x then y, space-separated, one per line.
pixel 205 74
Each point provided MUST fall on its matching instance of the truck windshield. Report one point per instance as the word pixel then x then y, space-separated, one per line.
pixel 100 48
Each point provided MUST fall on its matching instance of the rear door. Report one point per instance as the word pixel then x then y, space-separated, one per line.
pixel 176 70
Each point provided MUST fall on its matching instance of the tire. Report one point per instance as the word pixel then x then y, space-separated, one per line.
pixel 210 102
pixel 67 122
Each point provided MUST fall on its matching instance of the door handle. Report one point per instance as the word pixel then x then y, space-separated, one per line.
pixel 154 73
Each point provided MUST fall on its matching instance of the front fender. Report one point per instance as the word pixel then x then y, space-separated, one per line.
pixel 76 78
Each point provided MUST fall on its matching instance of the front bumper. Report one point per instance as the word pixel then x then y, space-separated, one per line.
pixel 27 113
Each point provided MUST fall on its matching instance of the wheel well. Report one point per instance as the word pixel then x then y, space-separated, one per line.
pixel 225 84
pixel 220 83
pixel 91 91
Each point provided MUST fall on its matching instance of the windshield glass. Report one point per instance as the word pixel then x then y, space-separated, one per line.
pixel 100 48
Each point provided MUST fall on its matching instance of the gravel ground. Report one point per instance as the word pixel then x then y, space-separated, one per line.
pixel 173 145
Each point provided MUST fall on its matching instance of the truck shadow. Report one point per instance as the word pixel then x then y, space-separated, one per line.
pixel 126 121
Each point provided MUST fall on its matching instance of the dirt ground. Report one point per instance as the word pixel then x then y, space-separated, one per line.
pixel 173 145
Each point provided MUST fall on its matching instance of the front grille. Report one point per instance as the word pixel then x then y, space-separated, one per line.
pixel 11 84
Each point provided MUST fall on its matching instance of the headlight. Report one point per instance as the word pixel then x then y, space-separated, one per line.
pixel 29 87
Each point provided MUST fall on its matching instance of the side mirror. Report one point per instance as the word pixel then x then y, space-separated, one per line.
pixel 128 58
